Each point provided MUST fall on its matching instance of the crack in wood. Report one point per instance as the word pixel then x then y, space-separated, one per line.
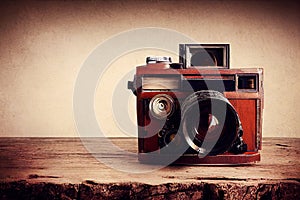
pixel 35 176
pixel 282 145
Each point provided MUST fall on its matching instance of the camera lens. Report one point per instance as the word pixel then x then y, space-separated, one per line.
pixel 161 106
pixel 210 124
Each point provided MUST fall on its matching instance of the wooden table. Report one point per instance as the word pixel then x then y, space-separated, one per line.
pixel 62 168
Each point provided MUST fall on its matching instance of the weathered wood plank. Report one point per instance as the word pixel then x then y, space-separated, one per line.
pixel 65 167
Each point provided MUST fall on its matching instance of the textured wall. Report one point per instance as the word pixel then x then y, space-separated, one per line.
pixel 44 43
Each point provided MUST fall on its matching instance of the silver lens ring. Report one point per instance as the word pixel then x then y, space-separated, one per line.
pixel 225 113
pixel 161 106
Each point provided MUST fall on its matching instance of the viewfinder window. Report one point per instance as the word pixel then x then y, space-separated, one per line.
pixel 247 82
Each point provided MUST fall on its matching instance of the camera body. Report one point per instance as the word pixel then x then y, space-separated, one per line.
pixel 198 111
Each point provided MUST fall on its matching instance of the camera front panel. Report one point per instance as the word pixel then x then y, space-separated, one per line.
pixel 242 87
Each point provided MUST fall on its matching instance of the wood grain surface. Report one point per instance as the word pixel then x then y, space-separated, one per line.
pixel 65 164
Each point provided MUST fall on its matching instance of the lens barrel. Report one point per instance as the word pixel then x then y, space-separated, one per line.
pixel 210 124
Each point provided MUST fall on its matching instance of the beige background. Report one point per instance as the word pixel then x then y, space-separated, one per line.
pixel 43 44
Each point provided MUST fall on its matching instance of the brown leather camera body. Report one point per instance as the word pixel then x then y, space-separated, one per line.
pixel 180 109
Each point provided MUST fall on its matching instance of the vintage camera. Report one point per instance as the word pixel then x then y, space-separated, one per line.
pixel 198 111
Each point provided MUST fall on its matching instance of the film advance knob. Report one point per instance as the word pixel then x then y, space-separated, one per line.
pixel 158 59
